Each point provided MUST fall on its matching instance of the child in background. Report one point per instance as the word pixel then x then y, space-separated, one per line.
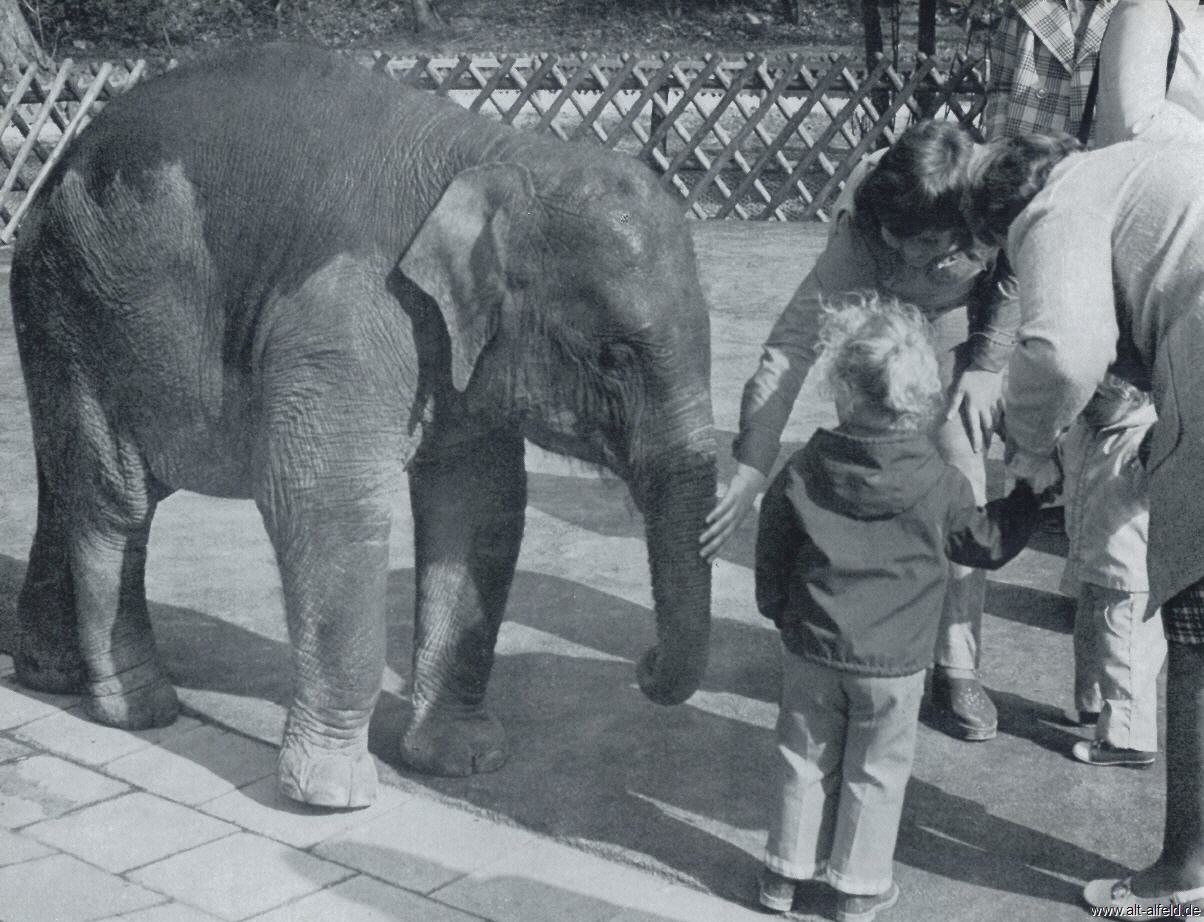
pixel 1119 647
pixel 851 567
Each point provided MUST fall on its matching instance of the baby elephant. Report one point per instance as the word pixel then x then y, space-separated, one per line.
pixel 281 276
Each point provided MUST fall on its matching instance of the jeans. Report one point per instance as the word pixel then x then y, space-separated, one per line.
pixel 846 743
pixel 1118 653
pixel 960 635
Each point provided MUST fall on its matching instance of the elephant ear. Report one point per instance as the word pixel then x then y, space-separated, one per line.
pixel 460 253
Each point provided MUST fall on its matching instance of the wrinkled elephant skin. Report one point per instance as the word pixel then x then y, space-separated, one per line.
pixel 283 277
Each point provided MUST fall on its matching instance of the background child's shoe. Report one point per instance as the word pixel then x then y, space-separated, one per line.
pixel 1101 752
pixel 851 908
pixel 965 705
pixel 776 892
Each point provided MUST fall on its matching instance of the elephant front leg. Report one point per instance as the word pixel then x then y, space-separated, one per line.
pixel 333 561
pixel 468 506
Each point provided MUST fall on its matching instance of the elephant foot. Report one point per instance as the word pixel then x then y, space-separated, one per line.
pixel 54 673
pixel 454 743
pixel 140 699
pixel 321 777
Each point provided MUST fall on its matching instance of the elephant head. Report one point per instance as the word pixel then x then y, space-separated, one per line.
pixel 571 300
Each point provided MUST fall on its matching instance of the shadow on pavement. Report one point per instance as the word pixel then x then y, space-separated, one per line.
pixel 960 839
pixel 1031 607
pixel 681 791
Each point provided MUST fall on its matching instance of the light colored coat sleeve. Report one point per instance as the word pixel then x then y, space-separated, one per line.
pixel 1132 69
pixel 1062 254
pixel 793 345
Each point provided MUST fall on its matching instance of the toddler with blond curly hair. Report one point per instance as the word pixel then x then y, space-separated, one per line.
pixel 851 565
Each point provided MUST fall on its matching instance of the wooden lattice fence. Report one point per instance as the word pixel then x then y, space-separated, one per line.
pixel 754 137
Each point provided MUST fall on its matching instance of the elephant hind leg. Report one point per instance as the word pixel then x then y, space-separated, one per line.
pixel 82 610
pixel 48 657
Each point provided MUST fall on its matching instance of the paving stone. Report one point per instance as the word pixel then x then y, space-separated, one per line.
pixel 197 766
pixel 363 899
pixel 45 786
pixel 239 876
pixel 10 749
pixel 167 912
pixel 129 831
pixel 676 903
pixel 550 882
pixel 423 845
pixel 15 848
pixel 71 734
pixel 6 665
pixel 19 705
pixel 64 889
pixel 261 808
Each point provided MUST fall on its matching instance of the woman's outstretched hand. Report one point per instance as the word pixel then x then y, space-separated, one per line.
pixel 731 509
pixel 977 397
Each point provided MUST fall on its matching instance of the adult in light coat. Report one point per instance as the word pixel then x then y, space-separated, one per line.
pixel 1108 249
pixel 1151 52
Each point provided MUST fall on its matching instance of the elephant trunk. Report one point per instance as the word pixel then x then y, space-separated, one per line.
pixel 676 498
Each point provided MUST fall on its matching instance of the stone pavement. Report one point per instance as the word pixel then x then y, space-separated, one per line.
pixel 185 825
pixel 610 808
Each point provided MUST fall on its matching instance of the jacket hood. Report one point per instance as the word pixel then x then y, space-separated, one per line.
pixel 868 477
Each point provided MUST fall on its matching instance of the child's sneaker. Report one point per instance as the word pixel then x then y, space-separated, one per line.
pixel 1101 752
pixel 851 908
pixel 776 892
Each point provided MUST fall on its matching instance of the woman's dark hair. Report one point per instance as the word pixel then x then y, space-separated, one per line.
pixel 918 183
pixel 1006 177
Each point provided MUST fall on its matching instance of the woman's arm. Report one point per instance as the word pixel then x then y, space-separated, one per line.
pixel 1062 251
pixel 846 264
pixel 994 317
pixel 1132 68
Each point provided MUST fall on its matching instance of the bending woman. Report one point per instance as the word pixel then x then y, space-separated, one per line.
pixel 1131 298
pixel 897 229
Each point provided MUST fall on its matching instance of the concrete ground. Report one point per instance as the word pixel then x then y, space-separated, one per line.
pixel 610 808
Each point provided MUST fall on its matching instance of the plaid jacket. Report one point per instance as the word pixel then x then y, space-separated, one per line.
pixel 1040 70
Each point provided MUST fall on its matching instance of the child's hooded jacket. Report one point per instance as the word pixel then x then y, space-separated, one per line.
pixel 854 541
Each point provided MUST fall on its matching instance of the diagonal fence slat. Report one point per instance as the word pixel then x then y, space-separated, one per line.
pixel 690 95
pixel 711 121
pixel 756 136
pixel 99 81
pixel 449 79
pixel 50 96
pixel 752 119
pixel 820 87
pixel 879 127
pixel 526 93
pixel 487 89
pixel 688 91
pixel 541 110
pixel 610 90
pixel 786 76
pixel 805 162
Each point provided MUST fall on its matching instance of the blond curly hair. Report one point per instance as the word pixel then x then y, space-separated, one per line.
pixel 879 355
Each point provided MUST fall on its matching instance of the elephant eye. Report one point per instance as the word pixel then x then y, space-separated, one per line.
pixel 615 357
